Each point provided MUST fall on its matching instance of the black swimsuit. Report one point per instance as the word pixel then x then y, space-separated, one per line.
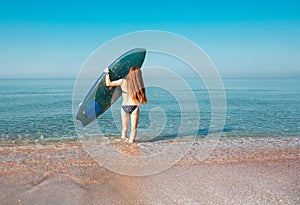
pixel 128 108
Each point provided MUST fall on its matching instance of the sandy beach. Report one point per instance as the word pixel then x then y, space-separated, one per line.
pixel 238 171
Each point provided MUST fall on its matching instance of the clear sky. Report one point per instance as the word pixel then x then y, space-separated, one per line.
pixel 243 38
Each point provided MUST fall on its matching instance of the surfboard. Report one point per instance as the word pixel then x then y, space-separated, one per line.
pixel 100 97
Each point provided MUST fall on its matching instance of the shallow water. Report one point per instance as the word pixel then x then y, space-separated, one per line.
pixel 41 109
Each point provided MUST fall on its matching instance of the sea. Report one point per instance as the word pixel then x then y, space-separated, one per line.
pixel 37 110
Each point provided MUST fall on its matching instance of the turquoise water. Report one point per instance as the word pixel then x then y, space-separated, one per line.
pixel 41 109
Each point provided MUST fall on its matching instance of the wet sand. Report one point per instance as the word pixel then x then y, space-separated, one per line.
pixel 238 171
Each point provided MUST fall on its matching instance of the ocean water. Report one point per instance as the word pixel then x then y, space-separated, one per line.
pixel 41 109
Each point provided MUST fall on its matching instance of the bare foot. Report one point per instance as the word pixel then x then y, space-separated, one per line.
pixel 124 139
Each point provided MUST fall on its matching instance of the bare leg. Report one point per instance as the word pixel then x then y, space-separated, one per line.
pixel 134 122
pixel 125 120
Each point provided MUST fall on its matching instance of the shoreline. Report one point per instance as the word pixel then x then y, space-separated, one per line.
pixel 141 139
pixel 238 171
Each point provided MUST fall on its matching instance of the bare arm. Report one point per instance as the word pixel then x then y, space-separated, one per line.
pixel 110 83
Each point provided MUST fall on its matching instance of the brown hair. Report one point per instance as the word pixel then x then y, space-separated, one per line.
pixel 135 85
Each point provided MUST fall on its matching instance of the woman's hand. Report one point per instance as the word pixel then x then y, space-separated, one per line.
pixel 106 70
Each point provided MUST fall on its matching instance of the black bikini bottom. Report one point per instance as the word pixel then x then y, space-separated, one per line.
pixel 129 108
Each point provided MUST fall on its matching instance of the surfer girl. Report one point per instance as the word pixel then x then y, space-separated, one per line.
pixel 134 93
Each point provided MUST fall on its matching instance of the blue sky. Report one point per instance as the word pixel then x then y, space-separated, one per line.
pixel 243 38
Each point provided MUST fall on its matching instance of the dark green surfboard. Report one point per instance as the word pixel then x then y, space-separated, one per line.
pixel 100 97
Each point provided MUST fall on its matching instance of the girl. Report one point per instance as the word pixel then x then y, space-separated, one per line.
pixel 134 93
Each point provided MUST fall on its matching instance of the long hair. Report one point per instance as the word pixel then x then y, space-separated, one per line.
pixel 135 85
